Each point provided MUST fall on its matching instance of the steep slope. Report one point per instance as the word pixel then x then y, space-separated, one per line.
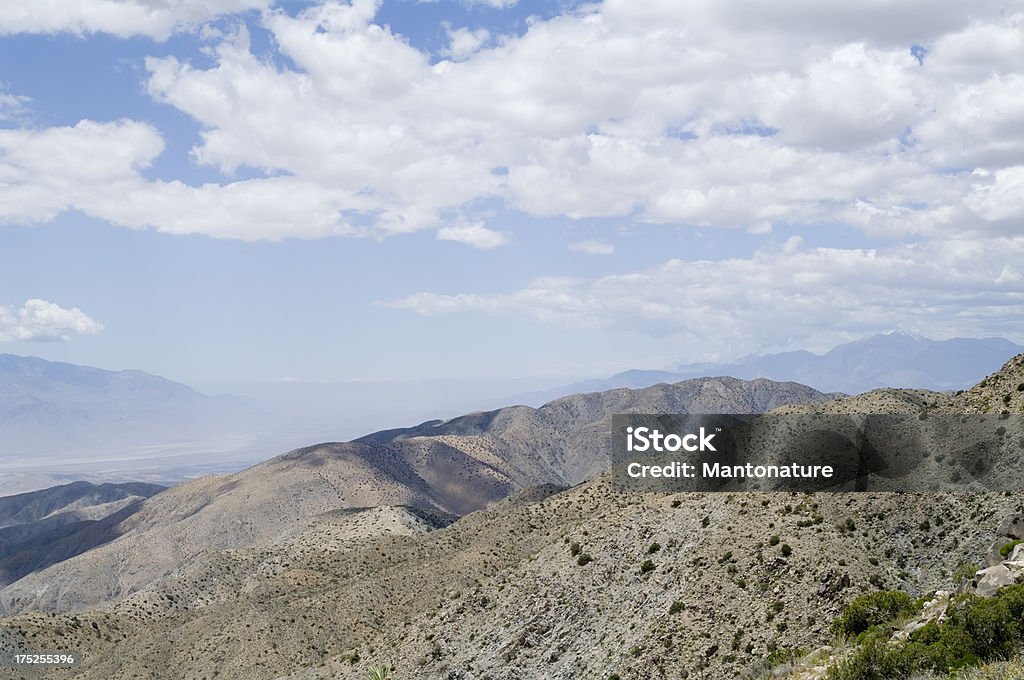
pixel 41 528
pixel 443 469
pixel 1002 391
pixel 504 593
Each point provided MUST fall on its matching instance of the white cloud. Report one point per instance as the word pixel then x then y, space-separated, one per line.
pixel 96 168
pixel 497 4
pixel 819 295
pixel 592 247
pixel 40 320
pixel 13 108
pixel 476 235
pixel 462 42
pixel 122 18
pixel 798 113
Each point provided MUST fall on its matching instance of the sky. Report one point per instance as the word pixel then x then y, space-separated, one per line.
pixel 250 189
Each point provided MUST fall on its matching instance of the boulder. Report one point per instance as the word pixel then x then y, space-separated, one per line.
pixel 1017 554
pixel 1013 527
pixel 992 579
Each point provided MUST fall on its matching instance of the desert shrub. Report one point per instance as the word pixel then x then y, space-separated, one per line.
pixel 653 548
pixel 977 630
pixel 786 550
pixel 575 549
pixel 872 609
pixel 647 567
pixel 379 673
pixel 584 559
pixel 967 570
pixel 1007 548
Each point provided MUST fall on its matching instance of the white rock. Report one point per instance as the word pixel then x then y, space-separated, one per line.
pixel 992 579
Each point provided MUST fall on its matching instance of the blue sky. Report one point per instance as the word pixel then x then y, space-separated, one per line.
pixel 249 189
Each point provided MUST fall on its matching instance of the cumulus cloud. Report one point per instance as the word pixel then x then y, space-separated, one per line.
pixel 462 42
pixel 708 113
pixel 476 235
pixel 592 247
pixel 39 320
pixel 821 295
pixel 97 168
pixel 122 18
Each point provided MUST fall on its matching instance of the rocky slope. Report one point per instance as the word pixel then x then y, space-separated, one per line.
pixel 440 469
pixel 41 528
pixel 548 583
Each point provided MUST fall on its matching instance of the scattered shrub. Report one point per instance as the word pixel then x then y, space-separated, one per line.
pixel 976 630
pixel 872 609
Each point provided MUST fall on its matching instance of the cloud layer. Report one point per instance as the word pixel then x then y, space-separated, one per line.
pixel 904 125
pixel 688 113
pixel 779 296
pixel 122 18
pixel 39 320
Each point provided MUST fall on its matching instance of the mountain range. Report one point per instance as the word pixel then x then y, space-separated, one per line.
pixel 892 359
pixel 439 470
pixel 493 545
pixel 61 423
pixel 60 409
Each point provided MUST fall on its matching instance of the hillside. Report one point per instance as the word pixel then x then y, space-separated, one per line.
pixel 547 583
pixel 442 469
pixel 41 528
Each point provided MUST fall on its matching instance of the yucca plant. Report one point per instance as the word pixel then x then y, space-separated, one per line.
pixel 380 673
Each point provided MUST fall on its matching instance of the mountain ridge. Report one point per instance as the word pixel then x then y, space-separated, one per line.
pixel 445 469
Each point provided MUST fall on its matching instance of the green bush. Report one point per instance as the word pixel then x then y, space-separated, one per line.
pixel 647 567
pixel 872 609
pixel 977 630
pixel 584 559
pixel 1006 549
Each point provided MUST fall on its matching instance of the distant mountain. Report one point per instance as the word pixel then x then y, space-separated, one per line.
pixel 892 359
pixel 51 410
pixel 439 470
